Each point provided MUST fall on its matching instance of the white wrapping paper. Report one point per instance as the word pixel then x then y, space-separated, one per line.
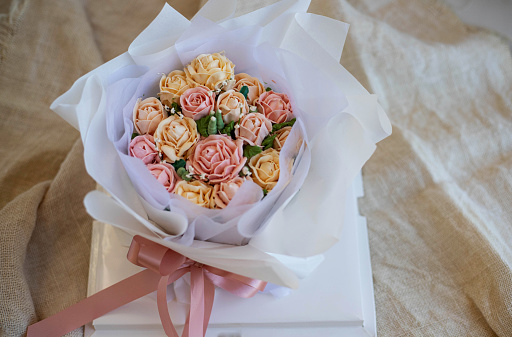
pixel 281 44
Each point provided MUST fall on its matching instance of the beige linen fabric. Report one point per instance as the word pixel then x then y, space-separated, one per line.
pixel 437 192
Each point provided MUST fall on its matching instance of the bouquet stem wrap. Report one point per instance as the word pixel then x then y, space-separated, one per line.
pixel 164 266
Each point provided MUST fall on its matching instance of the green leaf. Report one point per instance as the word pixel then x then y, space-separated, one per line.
pixel 268 89
pixel 167 209
pixel 176 107
pixel 212 126
pixel 279 126
pixel 179 164
pixel 265 192
pixel 202 125
pixel 135 134
pixel 244 91
pixel 220 121
pixel 250 151
pixel 268 141
pixel 182 173
pixel 228 128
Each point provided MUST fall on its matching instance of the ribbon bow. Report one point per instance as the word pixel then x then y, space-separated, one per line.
pixel 164 266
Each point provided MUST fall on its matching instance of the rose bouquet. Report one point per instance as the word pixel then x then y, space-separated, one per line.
pixel 210 130
pixel 259 214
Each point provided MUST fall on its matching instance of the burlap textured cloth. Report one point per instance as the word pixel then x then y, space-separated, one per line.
pixel 438 192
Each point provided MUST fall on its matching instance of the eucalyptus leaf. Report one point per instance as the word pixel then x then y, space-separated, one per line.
pixel 179 164
pixel 268 141
pixel 202 125
pixel 251 151
pixel 279 126
pixel 245 91
pixel 228 128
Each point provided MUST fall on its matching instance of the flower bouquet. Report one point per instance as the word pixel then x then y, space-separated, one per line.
pixel 225 144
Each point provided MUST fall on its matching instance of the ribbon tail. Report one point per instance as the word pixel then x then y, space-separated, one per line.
pixel 209 295
pixel 202 292
pixel 161 300
pixel 95 306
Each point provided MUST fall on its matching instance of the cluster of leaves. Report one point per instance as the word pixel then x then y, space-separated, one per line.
pixel 269 140
pixel 213 124
pixel 180 168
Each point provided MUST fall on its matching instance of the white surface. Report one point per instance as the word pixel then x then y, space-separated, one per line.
pixel 336 300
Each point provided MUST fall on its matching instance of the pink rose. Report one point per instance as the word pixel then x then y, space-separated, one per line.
pixel 147 114
pixel 217 158
pixel 254 127
pixel 143 147
pixel 224 192
pixel 165 175
pixel 275 107
pixel 197 102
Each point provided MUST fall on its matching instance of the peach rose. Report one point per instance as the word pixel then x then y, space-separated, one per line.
pixel 217 158
pixel 197 102
pixel 165 175
pixel 253 84
pixel 224 192
pixel 147 114
pixel 275 107
pixel 214 71
pixel 232 106
pixel 197 192
pixel 253 128
pixel 174 136
pixel 281 136
pixel 265 168
pixel 143 147
pixel 172 87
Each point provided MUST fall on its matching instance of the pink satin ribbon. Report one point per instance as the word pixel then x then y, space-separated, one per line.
pixel 164 266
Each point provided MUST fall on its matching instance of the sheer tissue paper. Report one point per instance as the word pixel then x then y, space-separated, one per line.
pixel 339 122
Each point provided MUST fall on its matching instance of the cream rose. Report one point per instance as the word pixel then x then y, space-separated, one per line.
pixel 275 106
pixel 217 158
pixel 253 84
pixel 174 136
pixel 165 175
pixel 196 191
pixel 232 106
pixel 265 168
pixel 281 136
pixel 214 71
pixel 147 114
pixel 173 86
pixel 224 192
pixel 197 102
pixel 253 128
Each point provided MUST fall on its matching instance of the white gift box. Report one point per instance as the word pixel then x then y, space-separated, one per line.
pixel 335 300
